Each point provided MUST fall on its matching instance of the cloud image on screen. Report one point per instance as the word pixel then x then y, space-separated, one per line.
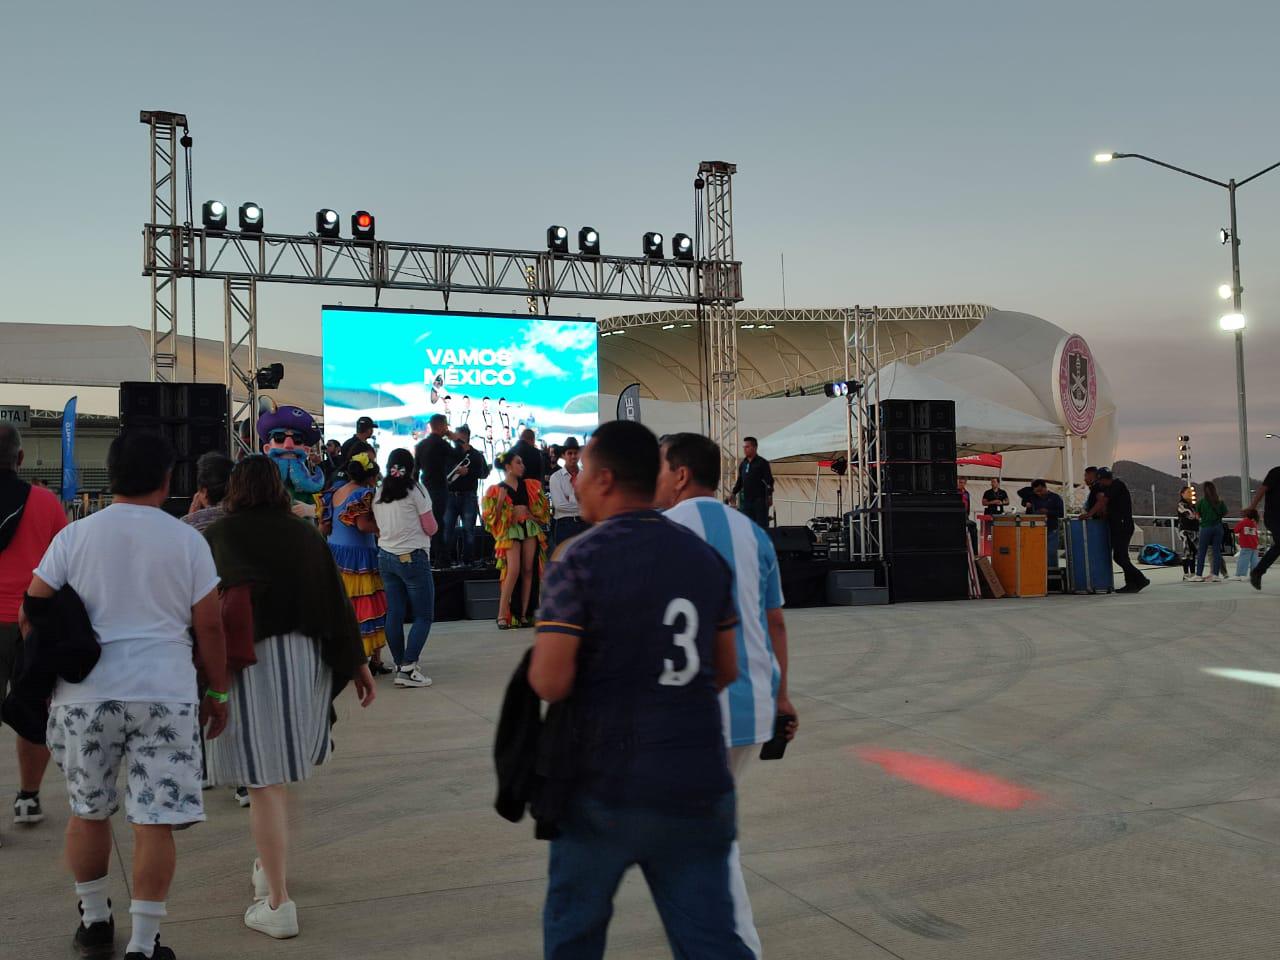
pixel 496 373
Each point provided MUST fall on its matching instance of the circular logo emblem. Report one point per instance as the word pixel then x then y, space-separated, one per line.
pixel 1077 386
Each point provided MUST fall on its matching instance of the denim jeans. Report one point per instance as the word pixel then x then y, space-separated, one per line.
pixel 405 584
pixel 566 527
pixel 1246 560
pixel 464 507
pixel 1211 537
pixel 685 861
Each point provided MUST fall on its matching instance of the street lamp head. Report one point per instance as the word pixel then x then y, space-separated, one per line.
pixel 1232 321
pixel 1103 157
pixel 1225 291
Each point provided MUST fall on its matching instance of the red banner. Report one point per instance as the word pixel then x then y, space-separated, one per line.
pixel 993 460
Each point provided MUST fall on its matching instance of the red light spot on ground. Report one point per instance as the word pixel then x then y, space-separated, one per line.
pixel 950 780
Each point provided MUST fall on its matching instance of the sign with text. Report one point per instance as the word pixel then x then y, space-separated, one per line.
pixel 19 417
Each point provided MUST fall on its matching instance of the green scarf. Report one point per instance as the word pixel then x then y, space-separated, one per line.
pixel 296 585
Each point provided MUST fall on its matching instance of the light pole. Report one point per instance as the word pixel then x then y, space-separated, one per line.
pixel 1233 321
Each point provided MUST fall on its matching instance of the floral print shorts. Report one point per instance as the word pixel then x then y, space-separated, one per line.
pixel 157 745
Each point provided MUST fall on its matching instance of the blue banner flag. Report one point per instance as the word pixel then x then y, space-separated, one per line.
pixel 70 473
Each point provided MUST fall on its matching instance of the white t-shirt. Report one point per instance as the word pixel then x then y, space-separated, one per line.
pixel 398 528
pixel 563 495
pixel 139 572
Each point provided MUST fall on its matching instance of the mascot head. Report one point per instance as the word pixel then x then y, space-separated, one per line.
pixel 287 431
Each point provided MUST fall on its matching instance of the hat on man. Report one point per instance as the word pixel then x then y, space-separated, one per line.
pixel 570 443
pixel 290 418
pixel 363 424
pixel 464 429
pixel 1104 473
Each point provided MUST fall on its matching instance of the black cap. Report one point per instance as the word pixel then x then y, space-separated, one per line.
pixel 1104 473
pixel 363 424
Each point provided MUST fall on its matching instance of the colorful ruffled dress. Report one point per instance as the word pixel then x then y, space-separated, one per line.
pixel 356 554
pixel 498 514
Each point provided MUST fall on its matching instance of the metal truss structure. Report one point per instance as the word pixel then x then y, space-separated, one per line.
pixel 944 312
pixel 715 182
pixel 711 282
pixel 168 250
pixel 862 334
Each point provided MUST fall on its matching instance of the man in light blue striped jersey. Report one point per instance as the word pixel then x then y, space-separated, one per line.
pixel 688 476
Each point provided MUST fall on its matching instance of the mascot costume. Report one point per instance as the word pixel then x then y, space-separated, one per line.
pixel 287 435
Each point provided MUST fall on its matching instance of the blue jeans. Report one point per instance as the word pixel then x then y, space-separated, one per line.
pixel 1246 560
pixel 464 507
pixel 405 584
pixel 685 861
pixel 1211 537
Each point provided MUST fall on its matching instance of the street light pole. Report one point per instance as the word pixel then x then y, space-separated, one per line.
pixel 1236 290
pixel 1242 417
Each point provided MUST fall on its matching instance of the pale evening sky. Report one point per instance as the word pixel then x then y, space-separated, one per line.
pixel 897 152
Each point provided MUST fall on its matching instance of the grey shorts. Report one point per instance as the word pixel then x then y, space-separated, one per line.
pixel 157 745
pixel 10 655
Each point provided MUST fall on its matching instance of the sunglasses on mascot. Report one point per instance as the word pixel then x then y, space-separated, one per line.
pixel 279 436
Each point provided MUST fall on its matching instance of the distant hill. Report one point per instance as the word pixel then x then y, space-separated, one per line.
pixel 1139 478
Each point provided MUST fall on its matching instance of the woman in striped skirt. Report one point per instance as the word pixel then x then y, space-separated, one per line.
pixel 305 647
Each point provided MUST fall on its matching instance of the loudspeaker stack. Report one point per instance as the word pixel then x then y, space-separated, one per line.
pixel 193 416
pixel 923 514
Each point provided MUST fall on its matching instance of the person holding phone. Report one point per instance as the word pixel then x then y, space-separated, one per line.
pixel 756 704
pixel 637 624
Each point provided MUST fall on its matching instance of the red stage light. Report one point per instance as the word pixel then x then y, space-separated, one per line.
pixel 364 220
pixel 362 225
pixel 950 780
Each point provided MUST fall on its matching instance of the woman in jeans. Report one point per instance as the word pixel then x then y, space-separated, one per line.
pixel 1212 511
pixel 405 528
pixel 1189 529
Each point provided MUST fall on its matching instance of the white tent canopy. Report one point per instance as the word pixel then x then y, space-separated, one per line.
pixel 982 426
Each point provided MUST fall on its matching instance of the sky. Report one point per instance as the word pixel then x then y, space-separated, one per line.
pixel 897 153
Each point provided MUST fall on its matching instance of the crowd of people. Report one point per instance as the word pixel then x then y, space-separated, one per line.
pixel 251 620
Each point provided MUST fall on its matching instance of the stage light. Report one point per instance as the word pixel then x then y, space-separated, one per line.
pixel 589 242
pixel 557 239
pixel 1225 291
pixel 840 466
pixel 1231 321
pixel 1224 236
pixel 668 326
pixel 362 225
pixel 653 245
pixel 1184 439
pixel 682 247
pixel 1103 157
pixel 748 326
pixel 214 214
pixel 841 388
pixel 327 223
pixel 250 218
pixel 269 378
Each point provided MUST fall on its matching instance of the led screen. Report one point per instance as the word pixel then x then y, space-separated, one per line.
pixel 496 373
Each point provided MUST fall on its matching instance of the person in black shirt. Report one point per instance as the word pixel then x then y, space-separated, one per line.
pixel 995 500
pixel 1269 495
pixel 638 624
pixel 435 457
pixel 1115 504
pixel 535 464
pixel 357 444
pixel 754 487
pixel 1091 484
pixel 463 503
pixel 1039 499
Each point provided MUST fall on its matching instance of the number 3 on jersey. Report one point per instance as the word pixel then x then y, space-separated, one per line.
pixel 685 639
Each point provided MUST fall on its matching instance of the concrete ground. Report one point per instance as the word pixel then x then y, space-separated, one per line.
pixel 1103 798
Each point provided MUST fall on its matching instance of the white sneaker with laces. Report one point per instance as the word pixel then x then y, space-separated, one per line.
pixel 410 676
pixel 261 889
pixel 281 923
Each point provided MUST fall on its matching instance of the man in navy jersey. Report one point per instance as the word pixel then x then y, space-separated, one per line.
pixel 638 624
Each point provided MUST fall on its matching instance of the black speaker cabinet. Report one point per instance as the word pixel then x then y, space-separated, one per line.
pixel 142 401
pixel 923 524
pixel 938 477
pixel 918 445
pixel 917 415
pixel 793 541
pixel 938 575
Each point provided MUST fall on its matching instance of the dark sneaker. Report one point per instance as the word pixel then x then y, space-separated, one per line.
pixel 27 810
pixel 97 940
pixel 1255 580
pixel 1142 585
pixel 160 952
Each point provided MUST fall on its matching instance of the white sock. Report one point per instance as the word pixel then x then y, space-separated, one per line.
pixel 93 900
pixel 147 915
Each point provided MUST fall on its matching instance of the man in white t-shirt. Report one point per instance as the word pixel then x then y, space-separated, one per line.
pixel 688 475
pixel 146 580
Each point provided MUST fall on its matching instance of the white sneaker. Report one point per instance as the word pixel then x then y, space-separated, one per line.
pixel 27 810
pixel 411 676
pixel 241 795
pixel 261 889
pixel 281 923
